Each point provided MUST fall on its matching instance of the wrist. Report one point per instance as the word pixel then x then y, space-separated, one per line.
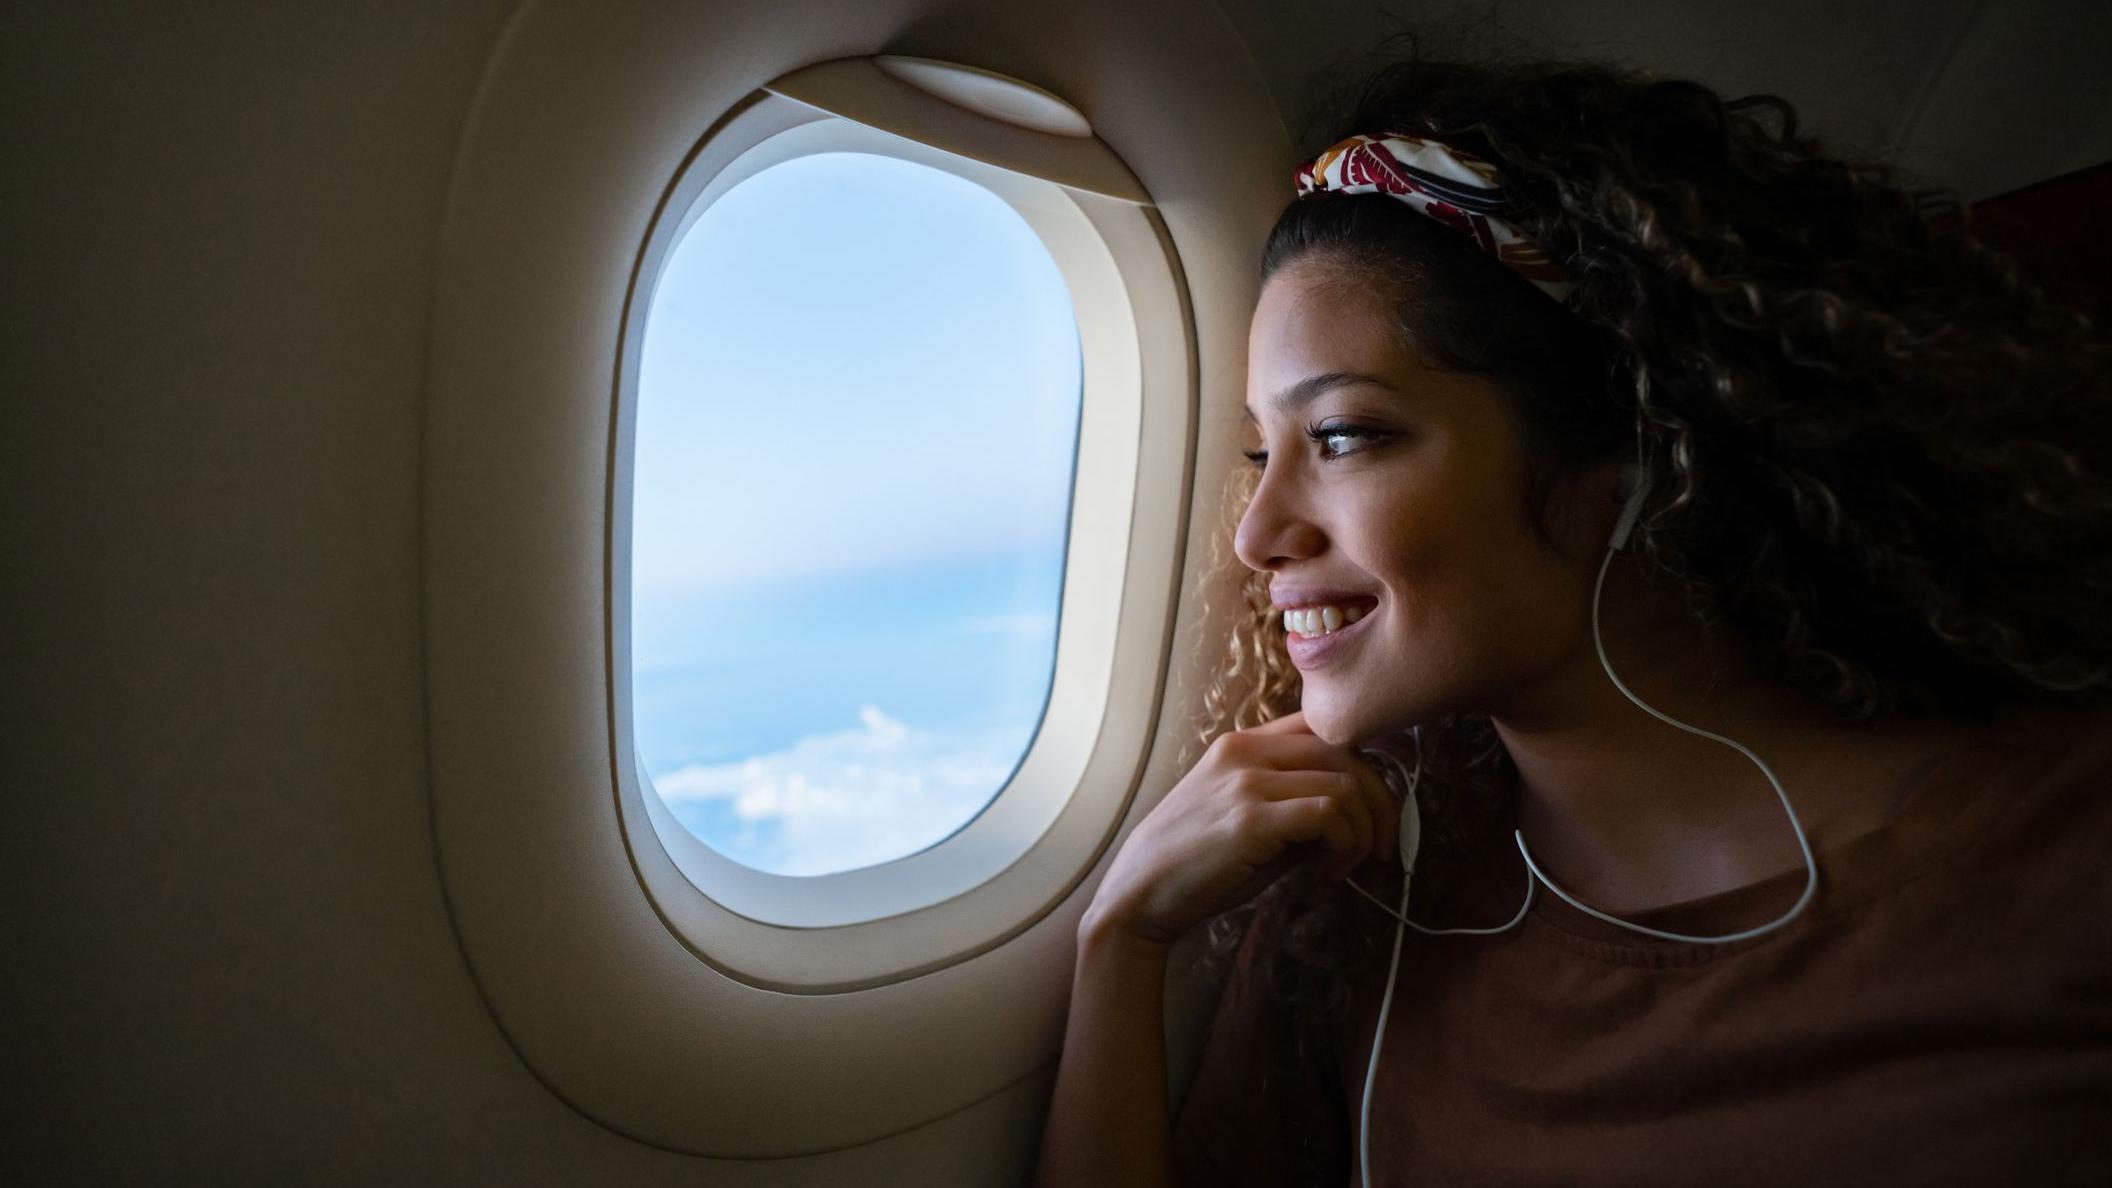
pixel 1107 927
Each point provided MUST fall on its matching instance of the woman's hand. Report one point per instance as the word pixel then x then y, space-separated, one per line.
pixel 1258 803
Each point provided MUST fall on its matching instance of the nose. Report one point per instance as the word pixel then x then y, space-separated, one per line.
pixel 1275 530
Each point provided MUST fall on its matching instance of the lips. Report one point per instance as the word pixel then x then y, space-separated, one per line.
pixel 1285 597
pixel 1313 651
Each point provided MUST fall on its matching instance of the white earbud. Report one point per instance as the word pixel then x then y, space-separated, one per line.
pixel 1635 487
pixel 1403 781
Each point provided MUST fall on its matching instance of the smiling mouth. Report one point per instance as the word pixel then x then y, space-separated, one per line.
pixel 1309 651
pixel 1323 620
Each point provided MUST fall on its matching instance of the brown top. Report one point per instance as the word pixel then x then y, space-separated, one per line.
pixel 1940 1014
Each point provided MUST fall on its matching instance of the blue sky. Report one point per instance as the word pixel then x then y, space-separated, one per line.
pixel 858 404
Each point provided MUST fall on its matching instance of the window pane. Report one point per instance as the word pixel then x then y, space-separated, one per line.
pixel 857 420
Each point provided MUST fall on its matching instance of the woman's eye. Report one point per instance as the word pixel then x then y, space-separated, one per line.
pixel 1324 435
pixel 1329 438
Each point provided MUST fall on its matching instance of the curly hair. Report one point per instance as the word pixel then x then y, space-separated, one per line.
pixel 1881 454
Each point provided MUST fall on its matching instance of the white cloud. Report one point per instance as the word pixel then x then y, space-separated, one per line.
pixel 858 797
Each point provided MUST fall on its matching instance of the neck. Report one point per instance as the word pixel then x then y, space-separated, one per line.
pixel 1628 812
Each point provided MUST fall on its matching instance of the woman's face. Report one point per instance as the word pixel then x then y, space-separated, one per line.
pixel 1409 510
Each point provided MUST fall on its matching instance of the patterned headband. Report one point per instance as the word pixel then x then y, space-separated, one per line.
pixel 1451 185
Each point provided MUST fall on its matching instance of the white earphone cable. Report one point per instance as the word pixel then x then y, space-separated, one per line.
pixel 1811 864
pixel 1411 836
pixel 1378 1038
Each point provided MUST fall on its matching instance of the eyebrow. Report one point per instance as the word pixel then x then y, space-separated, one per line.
pixel 1310 388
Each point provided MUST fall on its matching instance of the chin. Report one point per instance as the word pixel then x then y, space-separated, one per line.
pixel 1348 725
pixel 1332 722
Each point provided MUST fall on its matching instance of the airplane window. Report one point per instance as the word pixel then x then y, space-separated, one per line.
pixel 857 422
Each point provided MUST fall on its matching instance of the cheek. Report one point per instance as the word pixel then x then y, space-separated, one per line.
pixel 1471 580
pixel 1534 608
pixel 1420 543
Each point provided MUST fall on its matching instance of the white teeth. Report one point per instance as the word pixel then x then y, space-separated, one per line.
pixel 1319 620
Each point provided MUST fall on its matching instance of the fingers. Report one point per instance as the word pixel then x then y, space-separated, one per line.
pixel 1345 792
pixel 1288 744
pixel 1289 752
pixel 1291 723
pixel 1309 818
pixel 1308 752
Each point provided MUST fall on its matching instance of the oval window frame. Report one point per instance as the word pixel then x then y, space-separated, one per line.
pixel 795 901
pixel 1028 848
pixel 1056 762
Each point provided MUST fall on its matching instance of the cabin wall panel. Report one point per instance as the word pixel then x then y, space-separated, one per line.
pixel 1975 96
pixel 2019 100
pixel 229 951
pixel 1851 82
pixel 229 959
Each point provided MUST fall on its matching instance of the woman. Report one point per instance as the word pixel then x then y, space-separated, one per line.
pixel 1870 467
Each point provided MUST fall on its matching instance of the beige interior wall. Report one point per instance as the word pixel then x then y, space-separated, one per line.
pixel 228 958
pixel 228 953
